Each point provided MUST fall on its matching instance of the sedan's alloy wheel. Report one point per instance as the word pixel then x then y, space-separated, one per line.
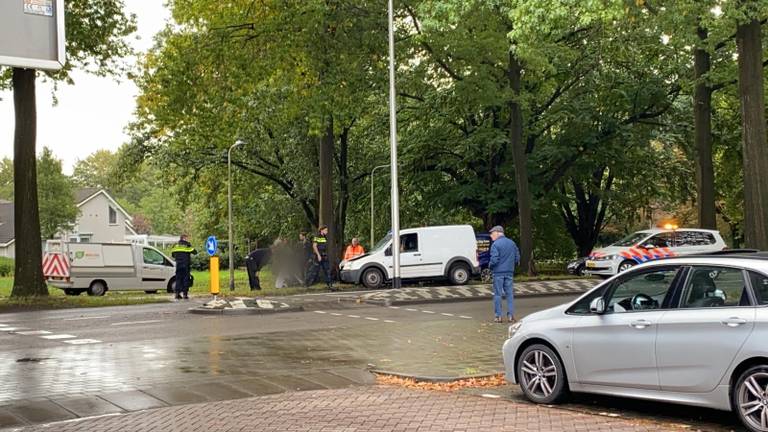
pixel 752 399
pixel 539 374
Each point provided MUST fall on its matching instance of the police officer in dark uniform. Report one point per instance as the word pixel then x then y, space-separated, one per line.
pixel 182 252
pixel 320 249
pixel 254 263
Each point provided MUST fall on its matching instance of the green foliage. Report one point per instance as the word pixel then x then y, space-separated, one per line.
pixel 6 179
pixel 6 267
pixel 55 192
pixel 97 170
pixel 606 100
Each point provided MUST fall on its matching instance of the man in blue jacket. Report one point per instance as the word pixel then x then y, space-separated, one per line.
pixel 505 256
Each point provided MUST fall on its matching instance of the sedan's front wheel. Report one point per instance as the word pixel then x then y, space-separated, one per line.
pixel 750 398
pixel 541 375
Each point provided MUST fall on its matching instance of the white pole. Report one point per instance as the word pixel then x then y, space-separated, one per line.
pixel 229 205
pixel 373 241
pixel 393 152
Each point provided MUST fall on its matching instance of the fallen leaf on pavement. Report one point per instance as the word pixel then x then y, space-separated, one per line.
pixel 483 382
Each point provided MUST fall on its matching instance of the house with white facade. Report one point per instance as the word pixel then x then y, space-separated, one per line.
pixel 101 220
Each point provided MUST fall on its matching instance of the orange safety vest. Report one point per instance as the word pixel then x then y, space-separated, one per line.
pixel 353 251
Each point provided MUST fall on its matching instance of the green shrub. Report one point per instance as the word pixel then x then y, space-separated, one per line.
pixel 6 267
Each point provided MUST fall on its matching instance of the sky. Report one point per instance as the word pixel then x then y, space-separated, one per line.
pixel 91 114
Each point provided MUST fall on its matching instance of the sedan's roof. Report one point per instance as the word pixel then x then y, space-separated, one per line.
pixel 737 258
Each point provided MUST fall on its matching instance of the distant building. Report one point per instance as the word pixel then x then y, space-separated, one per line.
pixel 101 219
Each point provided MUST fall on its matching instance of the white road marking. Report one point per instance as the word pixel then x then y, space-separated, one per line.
pixel 320 312
pixel 394 307
pixel 429 312
pixel 465 317
pixel 389 321
pixel 412 310
pixel 34 333
pixel 3 325
pixel 371 319
pixel 447 314
pixel 87 318
pixel 58 336
pixel 11 329
pixel 82 341
pixel 336 314
pixel 136 322
pixel 354 316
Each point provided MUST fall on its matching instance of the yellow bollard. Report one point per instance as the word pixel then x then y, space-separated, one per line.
pixel 214 267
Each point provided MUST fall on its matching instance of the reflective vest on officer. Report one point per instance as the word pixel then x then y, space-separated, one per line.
pixel 322 244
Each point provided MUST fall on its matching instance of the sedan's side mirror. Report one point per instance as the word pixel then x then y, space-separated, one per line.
pixel 597 306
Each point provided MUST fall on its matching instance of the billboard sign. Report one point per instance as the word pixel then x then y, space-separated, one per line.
pixel 32 34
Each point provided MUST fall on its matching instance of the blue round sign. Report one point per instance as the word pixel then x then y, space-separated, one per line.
pixel 211 245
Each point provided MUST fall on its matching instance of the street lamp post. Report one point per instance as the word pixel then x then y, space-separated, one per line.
pixel 373 242
pixel 229 205
pixel 393 151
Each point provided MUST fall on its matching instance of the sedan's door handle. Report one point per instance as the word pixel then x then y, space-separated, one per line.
pixel 640 324
pixel 734 321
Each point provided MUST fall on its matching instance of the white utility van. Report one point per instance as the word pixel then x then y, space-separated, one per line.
pixel 426 253
pixel 97 267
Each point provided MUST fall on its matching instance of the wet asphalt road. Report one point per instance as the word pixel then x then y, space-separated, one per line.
pixel 126 349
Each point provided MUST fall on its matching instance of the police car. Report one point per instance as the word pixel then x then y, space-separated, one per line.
pixel 649 245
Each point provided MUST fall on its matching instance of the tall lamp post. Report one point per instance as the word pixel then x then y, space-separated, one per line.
pixel 373 242
pixel 229 205
pixel 393 151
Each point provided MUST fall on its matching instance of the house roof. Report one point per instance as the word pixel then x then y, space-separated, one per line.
pixel 6 222
pixel 84 195
pixel 7 232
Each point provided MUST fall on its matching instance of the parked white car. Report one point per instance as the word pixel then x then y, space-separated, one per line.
pixel 650 245
pixel 426 253
pixel 689 330
pixel 97 267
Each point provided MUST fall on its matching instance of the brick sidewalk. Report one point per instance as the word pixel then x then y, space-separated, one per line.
pixel 356 409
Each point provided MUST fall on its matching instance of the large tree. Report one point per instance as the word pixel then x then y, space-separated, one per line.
pixel 294 80
pixel 751 91
pixel 95 38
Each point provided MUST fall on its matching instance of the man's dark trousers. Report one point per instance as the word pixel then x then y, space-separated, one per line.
pixel 182 280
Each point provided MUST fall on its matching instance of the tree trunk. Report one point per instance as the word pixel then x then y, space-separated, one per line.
pixel 326 190
pixel 28 276
pixel 342 163
pixel 591 204
pixel 520 161
pixel 702 123
pixel 749 43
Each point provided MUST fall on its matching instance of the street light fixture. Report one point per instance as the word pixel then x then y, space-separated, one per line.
pixel 373 242
pixel 393 151
pixel 229 205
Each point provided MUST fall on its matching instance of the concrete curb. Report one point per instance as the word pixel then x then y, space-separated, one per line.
pixel 389 302
pixel 244 311
pixel 433 379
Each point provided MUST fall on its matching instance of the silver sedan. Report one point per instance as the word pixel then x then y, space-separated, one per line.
pixel 688 330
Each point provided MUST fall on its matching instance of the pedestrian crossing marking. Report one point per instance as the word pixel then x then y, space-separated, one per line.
pixel 82 341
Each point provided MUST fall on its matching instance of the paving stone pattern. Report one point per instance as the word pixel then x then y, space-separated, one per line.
pixel 372 409
pixel 105 378
pixel 413 295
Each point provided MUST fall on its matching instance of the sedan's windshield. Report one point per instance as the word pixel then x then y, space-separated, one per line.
pixel 631 239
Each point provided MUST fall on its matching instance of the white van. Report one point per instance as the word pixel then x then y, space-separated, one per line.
pixel 426 253
pixel 97 267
